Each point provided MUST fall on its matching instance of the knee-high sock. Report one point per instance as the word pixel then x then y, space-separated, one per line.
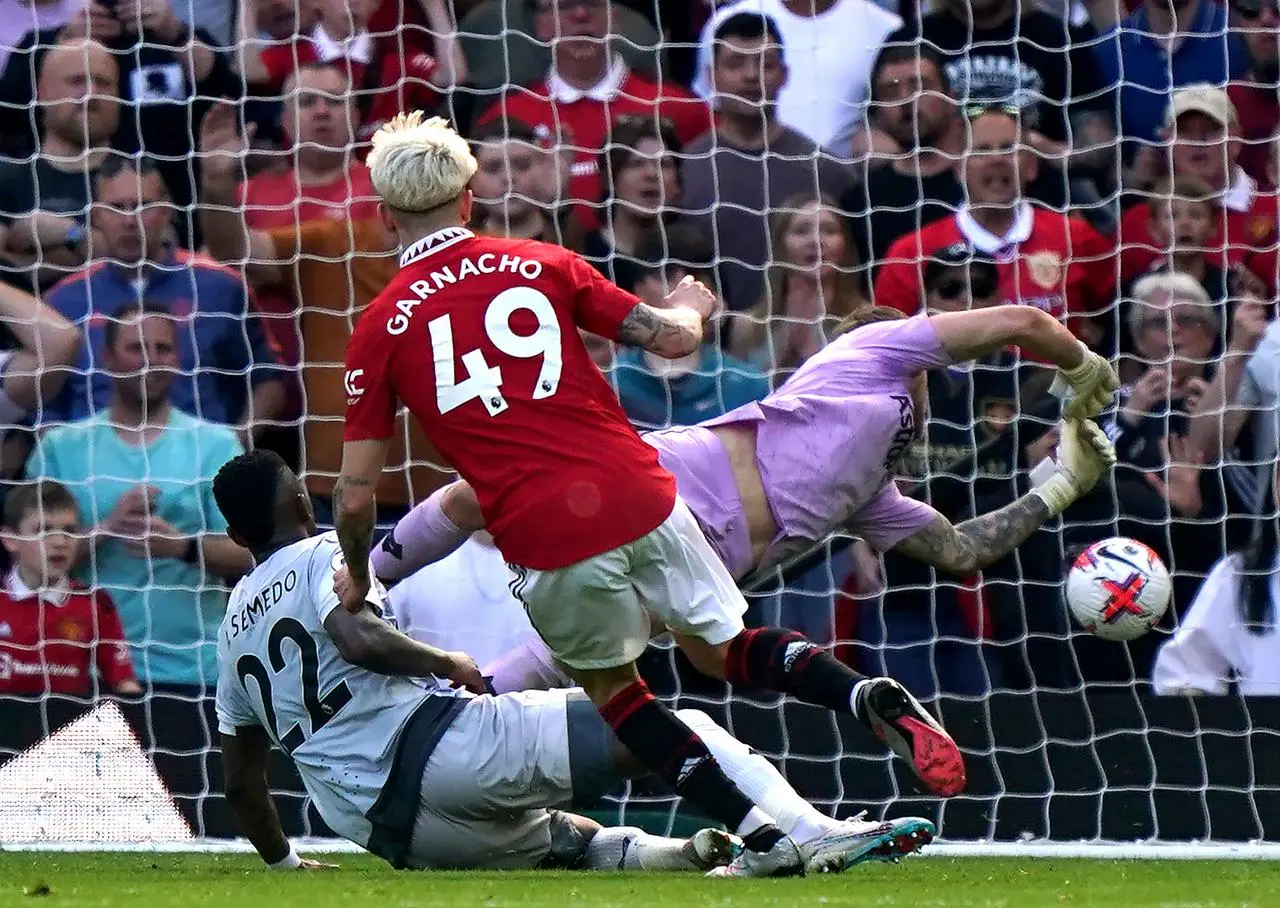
pixel 759 780
pixel 675 753
pixel 629 848
pixel 784 661
pixel 528 666
pixel 422 537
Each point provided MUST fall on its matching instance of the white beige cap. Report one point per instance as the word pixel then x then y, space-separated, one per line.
pixel 1202 98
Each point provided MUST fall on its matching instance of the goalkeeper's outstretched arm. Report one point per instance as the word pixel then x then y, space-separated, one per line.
pixel 978 332
pixel 1084 454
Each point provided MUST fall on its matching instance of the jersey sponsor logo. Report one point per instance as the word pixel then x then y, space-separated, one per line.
pixel 351 383
pixel 6 630
pixel 1045 269
pixel 261 603
pixel 905 433
pixel 11 668
pixel 437 280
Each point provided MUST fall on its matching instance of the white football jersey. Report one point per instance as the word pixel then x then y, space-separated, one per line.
pixel 463 602
pixel 279 669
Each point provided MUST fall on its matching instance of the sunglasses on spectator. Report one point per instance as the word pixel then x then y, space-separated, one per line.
pixel 568 6
pixel 1255 9
pixel 1181 320
pixel 973 111
pixel 954 288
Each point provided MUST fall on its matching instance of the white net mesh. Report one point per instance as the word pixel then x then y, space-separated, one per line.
pixel 1066 156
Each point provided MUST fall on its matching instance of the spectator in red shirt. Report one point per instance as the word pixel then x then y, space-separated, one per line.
pixel 1203 132
pixel 391 70
pixel 1256 99
pixel 1046 259
pixel 54 633
pixel 588 87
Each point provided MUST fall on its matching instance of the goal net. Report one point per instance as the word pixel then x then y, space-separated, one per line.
pixel 1110 163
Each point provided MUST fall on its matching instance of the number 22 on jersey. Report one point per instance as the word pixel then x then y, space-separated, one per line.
pixel 484 382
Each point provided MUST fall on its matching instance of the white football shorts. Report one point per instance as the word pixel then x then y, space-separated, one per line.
pixel 597 613
pixel 499 770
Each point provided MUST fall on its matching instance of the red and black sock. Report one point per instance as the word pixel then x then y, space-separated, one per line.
pixel 781 660
pixel 678 756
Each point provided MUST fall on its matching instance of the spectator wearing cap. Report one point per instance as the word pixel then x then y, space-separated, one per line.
pixel 736 175
pixel 1003 52
pixel 914 107
pixel 1203 135
pixel 657 393
pixel 390 65
pixel 230 373
pixel 1255 96
pixel 831 47
pixel 1046 259
pixel 812 284
pixel 640 182
pixel 1164 45
pixel 587 88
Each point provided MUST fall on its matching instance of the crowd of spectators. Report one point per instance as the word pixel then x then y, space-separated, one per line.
pixel 188 232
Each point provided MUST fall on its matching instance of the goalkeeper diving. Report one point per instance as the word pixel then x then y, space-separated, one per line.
pixel 773 479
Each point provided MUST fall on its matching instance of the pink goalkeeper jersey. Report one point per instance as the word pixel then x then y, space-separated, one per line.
pixel 827 444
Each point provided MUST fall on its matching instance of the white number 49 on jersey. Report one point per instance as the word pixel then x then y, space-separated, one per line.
pixel 484 381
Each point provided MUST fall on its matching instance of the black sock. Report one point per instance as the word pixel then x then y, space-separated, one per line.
pixel 775 659
pixel 676 754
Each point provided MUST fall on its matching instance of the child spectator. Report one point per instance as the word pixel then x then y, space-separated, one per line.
pixel 53 632
pixel 1182 218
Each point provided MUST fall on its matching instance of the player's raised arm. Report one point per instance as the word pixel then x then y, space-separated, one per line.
pixel 674 331
pixel 1084 454
pixel 969 335
pixel 244 760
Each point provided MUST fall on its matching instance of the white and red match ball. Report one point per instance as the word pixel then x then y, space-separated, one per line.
pixel 1118 589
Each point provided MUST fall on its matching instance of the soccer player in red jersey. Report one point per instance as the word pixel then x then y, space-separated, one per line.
pixel 478 337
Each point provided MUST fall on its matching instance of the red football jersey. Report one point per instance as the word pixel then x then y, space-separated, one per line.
pixel 583 122
pixel 1064 266
pixel 478 337
pixel 1258 109
pixel 1245 233
pixel 48 647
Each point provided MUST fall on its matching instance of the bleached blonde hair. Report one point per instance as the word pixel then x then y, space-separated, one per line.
pixel 417 165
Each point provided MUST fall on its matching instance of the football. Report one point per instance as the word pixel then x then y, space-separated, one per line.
pixel 1118 589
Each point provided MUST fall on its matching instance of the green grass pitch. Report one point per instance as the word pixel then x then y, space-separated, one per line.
pixel 185 881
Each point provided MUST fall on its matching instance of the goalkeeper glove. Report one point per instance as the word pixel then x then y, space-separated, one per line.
pixel 1092 385
pixel 1084 454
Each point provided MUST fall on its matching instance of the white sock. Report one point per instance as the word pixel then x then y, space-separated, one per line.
pixel 759 780
pixel 628 848
pixel 853 698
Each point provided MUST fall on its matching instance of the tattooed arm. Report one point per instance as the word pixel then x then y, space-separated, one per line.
pixel 974 544
pixel 676 329
pixel 354 506
pixel 670 333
